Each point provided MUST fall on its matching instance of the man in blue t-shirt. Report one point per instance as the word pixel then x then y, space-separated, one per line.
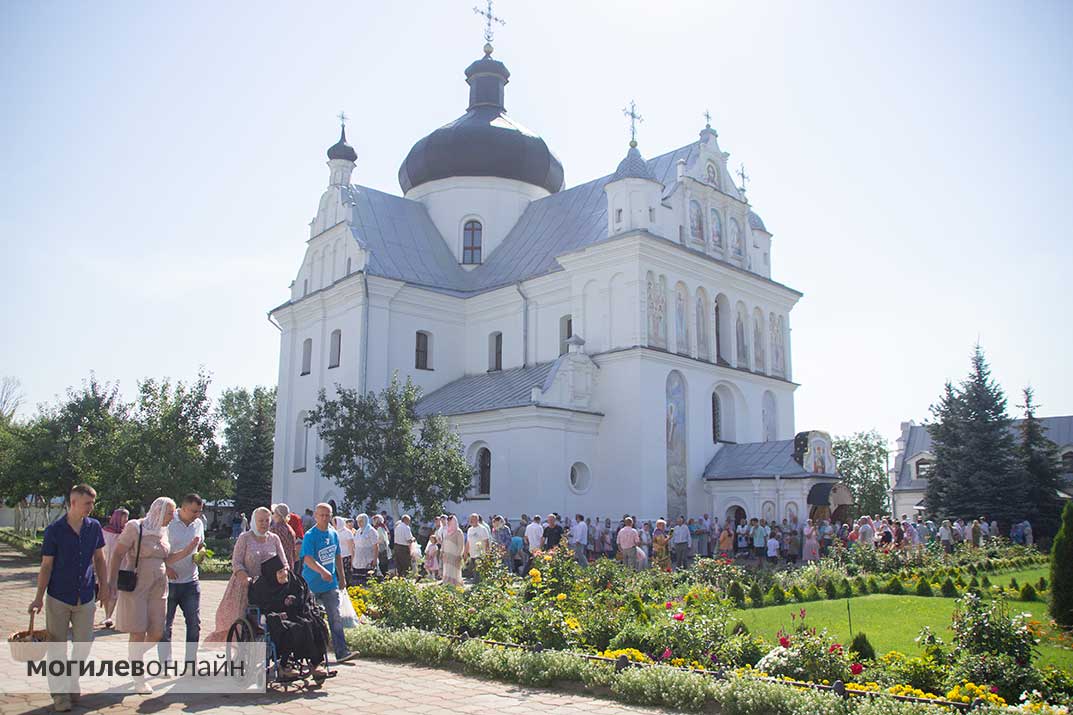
pixel 72 559
pixel 322 569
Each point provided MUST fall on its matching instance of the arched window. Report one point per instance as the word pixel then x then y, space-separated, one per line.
pixel 348 265
pixel 495 351
pixel 484 472
pixel 471 242
pixel 335 348
pixel 717 419
pixel 301 440
pixel 307 356
pixel 696 222
pixel 423 351
pixel 566 330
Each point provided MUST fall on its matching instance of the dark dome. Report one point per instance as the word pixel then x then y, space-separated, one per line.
pixel 342 150
pixel 484 141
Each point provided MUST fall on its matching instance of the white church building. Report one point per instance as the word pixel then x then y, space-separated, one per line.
pixel 614 347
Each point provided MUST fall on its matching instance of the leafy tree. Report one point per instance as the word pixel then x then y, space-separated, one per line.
pixel 1062 571
pixel 862 461
pixel 249 418
pixel 378 450
pixel 171 447
pixel 10 398
pixel 975 459
pixel 1039 462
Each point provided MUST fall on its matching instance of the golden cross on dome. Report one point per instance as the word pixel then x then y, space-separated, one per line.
pixel 489 19
pixel 631 112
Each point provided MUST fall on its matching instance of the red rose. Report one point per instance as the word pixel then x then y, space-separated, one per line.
pixel 784 642
pixel 856 668
pixel 679 616
pixel 994 689
pixel 835 648
pixel 666 654
pixel 668 605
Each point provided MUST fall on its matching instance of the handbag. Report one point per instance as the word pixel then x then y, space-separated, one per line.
pixel 128 580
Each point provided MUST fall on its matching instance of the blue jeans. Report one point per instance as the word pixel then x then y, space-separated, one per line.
pixel 330 600
pixel 186 596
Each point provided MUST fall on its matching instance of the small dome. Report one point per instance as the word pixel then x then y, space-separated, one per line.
pixel 342 150
pixel 756 222
pixel 633 166
pixel 484 141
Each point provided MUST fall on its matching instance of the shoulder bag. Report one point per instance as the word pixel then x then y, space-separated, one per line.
pixel 128 580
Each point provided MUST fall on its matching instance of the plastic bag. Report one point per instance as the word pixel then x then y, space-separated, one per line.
pixel 347 614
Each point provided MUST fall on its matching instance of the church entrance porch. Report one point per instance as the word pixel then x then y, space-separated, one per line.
pixel 735 514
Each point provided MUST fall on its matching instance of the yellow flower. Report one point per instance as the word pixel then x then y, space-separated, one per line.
pixel 572 624
pixel 561 597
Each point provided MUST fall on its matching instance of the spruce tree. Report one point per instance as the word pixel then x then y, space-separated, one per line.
pixel 253 471
pixel 1062 571
pixel 1039 472
pixel 975 464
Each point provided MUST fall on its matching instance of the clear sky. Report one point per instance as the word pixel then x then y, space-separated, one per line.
pixel 159 163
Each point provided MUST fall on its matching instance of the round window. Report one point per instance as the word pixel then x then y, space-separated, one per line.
pixel 580 478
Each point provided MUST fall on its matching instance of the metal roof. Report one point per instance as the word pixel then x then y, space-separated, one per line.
pixel 405 245
pixel 757 459
pixel 1057 429
pixel 633 166
pixel 488 391
pixel 756 222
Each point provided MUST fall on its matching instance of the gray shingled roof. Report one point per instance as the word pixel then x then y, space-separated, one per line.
pixel 757 459
pixel 404 244
pixel 487 391
pixel 1058 429
pixel 756 222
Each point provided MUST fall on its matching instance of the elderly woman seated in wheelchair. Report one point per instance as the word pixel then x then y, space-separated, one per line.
pixel 294 621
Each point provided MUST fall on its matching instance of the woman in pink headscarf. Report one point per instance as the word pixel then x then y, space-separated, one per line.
pixel 111 535
pixel 454 542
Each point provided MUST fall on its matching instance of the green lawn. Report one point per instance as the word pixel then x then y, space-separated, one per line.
pixel 891 622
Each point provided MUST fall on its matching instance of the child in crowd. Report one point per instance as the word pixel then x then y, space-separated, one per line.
pixel 772 549
pixel 432 557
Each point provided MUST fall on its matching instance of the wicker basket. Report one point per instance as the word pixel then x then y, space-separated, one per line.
pixel 29 644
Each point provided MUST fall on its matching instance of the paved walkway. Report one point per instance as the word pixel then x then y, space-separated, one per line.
pixel 365 686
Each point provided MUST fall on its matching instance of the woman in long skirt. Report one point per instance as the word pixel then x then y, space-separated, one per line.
pixel 454 543
pixel 812 543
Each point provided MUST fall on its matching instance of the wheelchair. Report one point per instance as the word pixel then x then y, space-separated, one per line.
pixel 253 628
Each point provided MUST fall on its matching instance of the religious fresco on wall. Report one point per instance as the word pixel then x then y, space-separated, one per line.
pixel 768 511
pixel 713 175
pixel 676 445
pixel 743 349
pixel 791 513
pixel 696 222
pixel 769 417
pixel 737 246
pixel 681 330
pixel 812 450
pixel 758 346
pixel 717 229
pixel 657 312
pixel 702 329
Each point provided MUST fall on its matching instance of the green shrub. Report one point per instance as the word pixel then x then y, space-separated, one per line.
pixel 862 647
pixel 845 589
pixel 1028 593
pixel 924 588
pixel 736 594
pixel 739 629
pixel 873 585
pixel 949 589
pixel 777 595
pixel 860 585
pixel 894 586
pixel 796 594
pixel 1041 585
pixel 812 593
pixel 756 595
pixel 663 686
pixel 740 650
pixel 1014 585
pixel 830 590
pixel 974 584
pixel 985 582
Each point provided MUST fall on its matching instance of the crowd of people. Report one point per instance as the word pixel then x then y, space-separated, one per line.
pixel 296 568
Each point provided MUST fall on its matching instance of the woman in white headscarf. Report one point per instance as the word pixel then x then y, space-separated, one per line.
pixel 253 548
pixel 346 544
pixel 141 612
pixel 454 542
pixel 365 545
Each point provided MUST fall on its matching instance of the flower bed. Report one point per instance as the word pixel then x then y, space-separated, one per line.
pixel 685 619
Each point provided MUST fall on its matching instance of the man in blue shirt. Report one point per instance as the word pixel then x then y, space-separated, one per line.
pixel 322 569
pixel 71 557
